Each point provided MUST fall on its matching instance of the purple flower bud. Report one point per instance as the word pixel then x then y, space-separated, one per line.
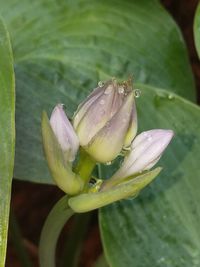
pixel 146 150
pixel 107 120
pixel 64 132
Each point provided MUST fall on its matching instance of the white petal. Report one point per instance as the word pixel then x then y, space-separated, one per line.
pixel 146 150
pixel 64 132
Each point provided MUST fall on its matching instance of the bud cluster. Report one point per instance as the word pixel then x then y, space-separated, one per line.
pixel 103 126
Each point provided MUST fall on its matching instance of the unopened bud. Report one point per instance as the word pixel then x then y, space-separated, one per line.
pixel 146 150
pixel 60 168
pixel 107 120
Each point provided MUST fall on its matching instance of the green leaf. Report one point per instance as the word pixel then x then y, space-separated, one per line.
pixel 161 226
pixel 63 48
pixel 197 30
pixel 7 134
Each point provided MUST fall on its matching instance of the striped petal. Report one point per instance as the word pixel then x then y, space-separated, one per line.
pixel 108 142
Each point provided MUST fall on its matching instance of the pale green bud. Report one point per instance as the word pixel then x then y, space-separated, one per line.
pixel 60 168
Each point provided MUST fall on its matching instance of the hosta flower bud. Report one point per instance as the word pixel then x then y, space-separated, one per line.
pixel 64 132
pixel 146 150
pixel 68 181
pixel 107 120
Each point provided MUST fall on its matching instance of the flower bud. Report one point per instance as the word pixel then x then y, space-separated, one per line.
pixel 146 150
pixel 60 168
pixel 107 120
pixel 64 132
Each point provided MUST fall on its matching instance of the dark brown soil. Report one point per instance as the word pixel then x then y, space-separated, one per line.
pixel 32 202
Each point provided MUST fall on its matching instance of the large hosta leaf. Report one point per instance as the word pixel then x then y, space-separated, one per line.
pixel 62 48
pixel 197 29
pixel 161 226
pixel 7 134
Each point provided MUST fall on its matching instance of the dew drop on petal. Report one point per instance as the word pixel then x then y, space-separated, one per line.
pixel 108 163
pixel 102 112
pixel 137 93
pixel 108 90
pixel 126 148
pixel 102 102
pixel 100 84
pixel 121 90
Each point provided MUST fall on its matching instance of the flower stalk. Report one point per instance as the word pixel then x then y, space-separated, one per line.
pixel 104 124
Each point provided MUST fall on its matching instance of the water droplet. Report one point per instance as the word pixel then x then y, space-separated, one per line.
pixel 162 98
pixel 108 163
pixel 162 259
pixel 102 112
pixel 170 97
pixel 100 84
pixel 120 89
pixel 127 148
pixel 108 90
pixel 102 102
pixel 149 138
pixel 137 93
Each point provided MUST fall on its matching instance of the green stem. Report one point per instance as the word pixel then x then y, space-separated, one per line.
pixel 51 231
pixel 85 166
pixel 17 241
pixel 72 249
pixel 60 214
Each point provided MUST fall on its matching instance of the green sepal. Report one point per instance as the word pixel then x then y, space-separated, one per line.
pixel 86 202
pixel 60 169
